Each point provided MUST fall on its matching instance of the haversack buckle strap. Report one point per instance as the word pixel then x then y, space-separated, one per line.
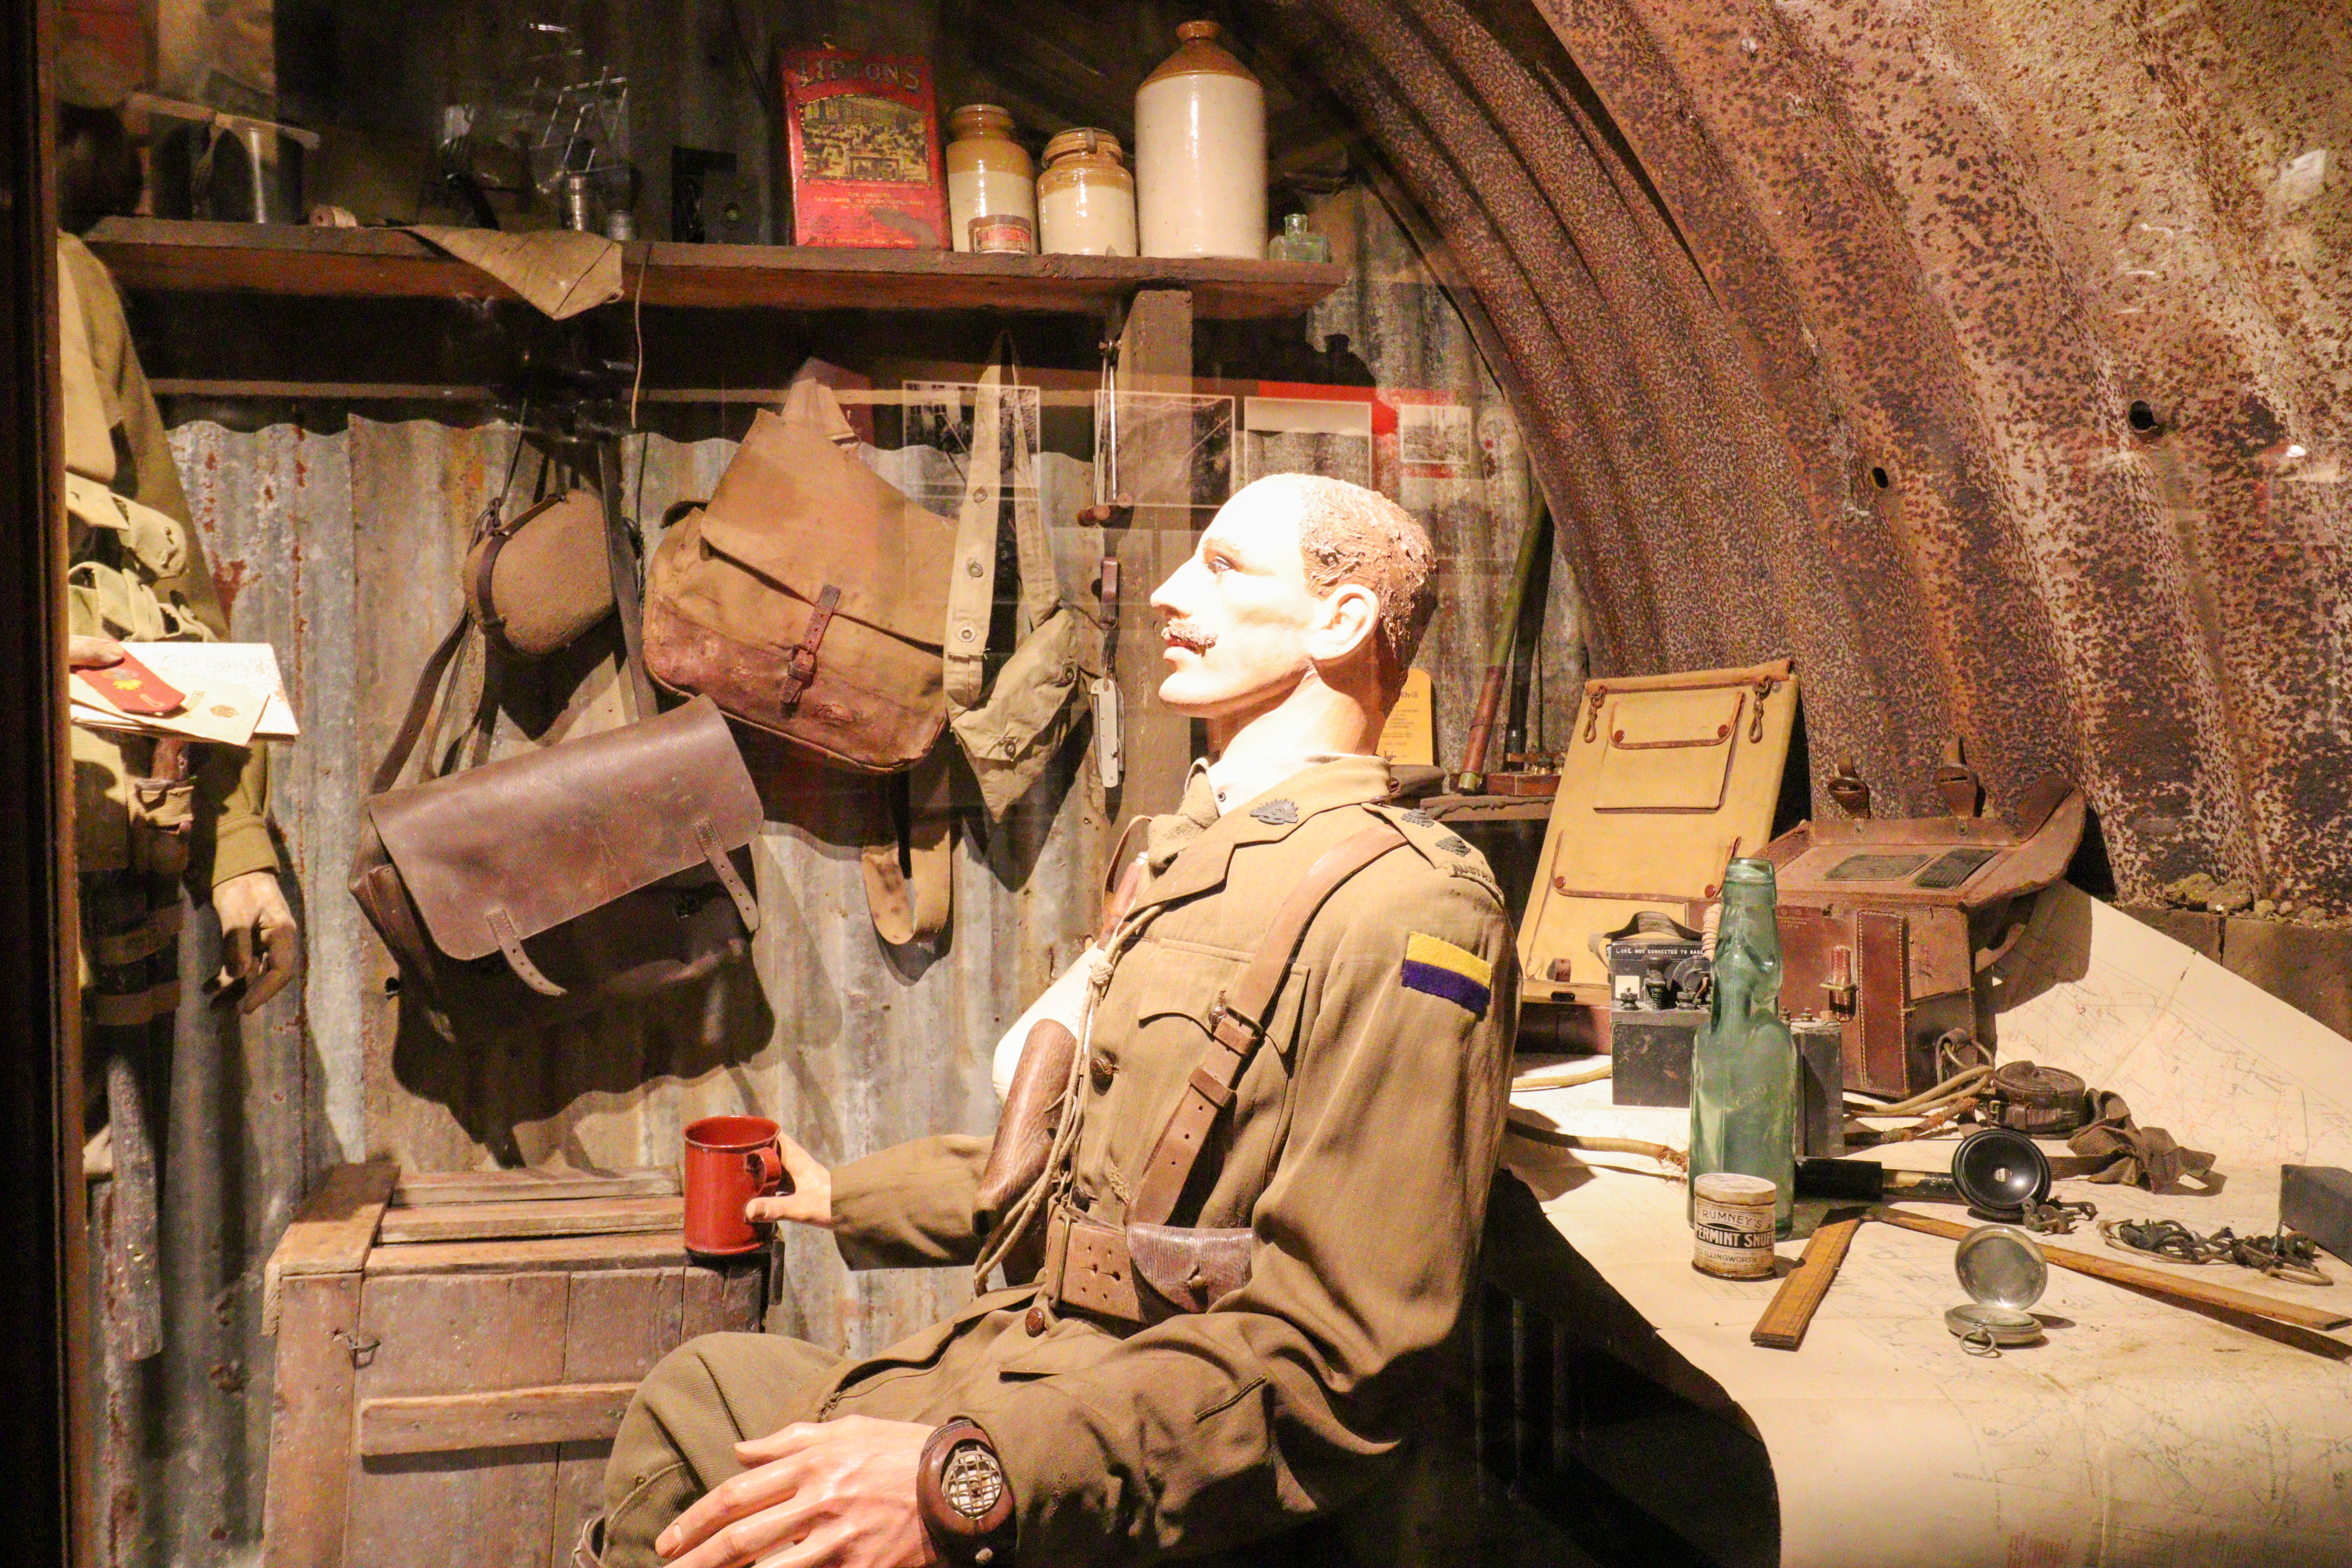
pixel 801 660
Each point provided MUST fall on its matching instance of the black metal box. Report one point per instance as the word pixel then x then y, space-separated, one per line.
pixel 1649 1056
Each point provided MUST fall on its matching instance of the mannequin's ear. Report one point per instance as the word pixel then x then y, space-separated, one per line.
pixel 1351 614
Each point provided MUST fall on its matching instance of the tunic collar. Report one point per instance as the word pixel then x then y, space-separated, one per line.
pixel 1264 818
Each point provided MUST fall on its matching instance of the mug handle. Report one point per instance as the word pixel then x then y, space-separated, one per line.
pixel 766 1165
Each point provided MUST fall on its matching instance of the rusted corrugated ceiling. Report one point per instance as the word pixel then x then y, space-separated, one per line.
pixel 1989 358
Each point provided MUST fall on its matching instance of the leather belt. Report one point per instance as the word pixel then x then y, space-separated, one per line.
pixel 1087 1267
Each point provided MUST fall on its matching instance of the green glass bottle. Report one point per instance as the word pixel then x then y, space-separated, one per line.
pixel 1744 1064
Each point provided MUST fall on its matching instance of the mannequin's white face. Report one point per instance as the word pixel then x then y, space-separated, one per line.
pixel 1238 620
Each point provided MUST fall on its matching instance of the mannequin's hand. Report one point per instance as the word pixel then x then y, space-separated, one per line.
pixel 807 1198
pixel 819 1494
pixel 92 653
pixel 259 940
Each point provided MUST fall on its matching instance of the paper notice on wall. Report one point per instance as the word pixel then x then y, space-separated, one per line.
pixel 1327 437
pixel 1437 454
pixel 1411 735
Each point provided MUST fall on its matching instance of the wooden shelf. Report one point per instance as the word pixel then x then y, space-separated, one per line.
pixel 163 255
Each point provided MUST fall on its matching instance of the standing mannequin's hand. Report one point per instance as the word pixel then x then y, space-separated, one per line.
pixel 829 1494
pixel 259 937
pixel 807 1195
pixel 92 653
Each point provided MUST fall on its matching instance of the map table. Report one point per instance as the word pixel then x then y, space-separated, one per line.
pixel 2139 1433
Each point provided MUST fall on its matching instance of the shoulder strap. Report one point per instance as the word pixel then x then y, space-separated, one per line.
pixel 1237 1022
pixel 420 707
pixel 621 554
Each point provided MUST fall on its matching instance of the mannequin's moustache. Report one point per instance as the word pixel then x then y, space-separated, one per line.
pixel 1185 634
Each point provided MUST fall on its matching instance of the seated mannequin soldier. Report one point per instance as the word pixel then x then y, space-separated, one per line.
pixel 1239 1196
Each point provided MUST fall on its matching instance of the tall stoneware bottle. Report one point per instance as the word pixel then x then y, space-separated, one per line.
pixel 1200 152
pixel 1744 1064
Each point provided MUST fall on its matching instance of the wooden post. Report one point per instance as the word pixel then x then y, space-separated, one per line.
pixel 1155 355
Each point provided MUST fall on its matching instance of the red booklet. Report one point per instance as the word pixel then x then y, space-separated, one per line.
pixel 132 688
pixel 863 132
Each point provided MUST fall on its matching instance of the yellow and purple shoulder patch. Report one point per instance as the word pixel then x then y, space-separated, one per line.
pixel 1440 969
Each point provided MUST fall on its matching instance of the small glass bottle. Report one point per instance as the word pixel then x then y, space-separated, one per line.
pixel 991 189
pixel 1086 197
pixel 1297 242
pixel 1744 1063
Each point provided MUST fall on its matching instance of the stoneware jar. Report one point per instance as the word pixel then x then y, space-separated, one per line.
pixel 1086 197
pixel 1200 152
pixel 991 190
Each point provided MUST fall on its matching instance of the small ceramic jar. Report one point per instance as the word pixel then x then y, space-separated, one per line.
pixel 1200 152
pixel 991 189
pixel 1086 197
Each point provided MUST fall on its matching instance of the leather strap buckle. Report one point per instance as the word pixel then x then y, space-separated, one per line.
pixel 1231 1031
pixel 1096 1274
pixel 801 660
pixel 510 940
pixel 1206 1084
pixel 745 904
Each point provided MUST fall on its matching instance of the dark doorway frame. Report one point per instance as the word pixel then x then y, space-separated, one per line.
pixel 40 1239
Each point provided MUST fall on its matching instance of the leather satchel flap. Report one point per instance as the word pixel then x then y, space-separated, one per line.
pixel 1189 1270
pixel 800 512
pixel 547 836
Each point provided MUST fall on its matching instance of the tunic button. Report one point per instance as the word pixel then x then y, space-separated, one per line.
pixel 1035 1321
pixel 1104 1069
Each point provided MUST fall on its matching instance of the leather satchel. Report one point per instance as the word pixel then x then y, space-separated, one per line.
pixel 808 596
pixel 543 887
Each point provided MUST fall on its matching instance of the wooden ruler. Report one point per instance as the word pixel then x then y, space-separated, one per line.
pixel 2115 1270
pixel 1782 1327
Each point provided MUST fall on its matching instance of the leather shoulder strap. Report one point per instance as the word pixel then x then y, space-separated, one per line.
pixel 420 707
pixel 621 554
pixel 1237 1022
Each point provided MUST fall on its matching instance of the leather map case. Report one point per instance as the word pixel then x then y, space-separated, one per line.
pixel 600 867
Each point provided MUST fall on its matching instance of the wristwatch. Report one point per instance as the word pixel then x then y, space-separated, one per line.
pixel 966 1504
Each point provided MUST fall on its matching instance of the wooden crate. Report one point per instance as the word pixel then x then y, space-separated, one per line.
pixel 454 1354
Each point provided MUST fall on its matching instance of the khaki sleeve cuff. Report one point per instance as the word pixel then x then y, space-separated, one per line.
pixel 240 846
pixel 911 1206
pixel 1062 1496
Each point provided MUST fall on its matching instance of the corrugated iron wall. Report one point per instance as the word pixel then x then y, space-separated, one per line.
pixel 339 541
pixel 1989 359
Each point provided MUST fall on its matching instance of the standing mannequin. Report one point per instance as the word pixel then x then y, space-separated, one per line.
pixel 155 820
pixel 1048 1424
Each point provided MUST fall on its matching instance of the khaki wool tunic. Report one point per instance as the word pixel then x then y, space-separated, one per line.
pixel 1359 1148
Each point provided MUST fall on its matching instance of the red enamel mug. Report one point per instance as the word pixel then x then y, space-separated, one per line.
pixel 728 1160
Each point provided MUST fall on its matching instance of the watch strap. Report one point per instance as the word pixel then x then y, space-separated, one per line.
pixel 964 1497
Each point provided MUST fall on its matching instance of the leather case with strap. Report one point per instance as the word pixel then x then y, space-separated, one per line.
pixel 808 596
pixel 1148 1268
pixel 544 885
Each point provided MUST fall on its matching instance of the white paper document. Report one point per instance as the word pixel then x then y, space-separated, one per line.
pixel 251 665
